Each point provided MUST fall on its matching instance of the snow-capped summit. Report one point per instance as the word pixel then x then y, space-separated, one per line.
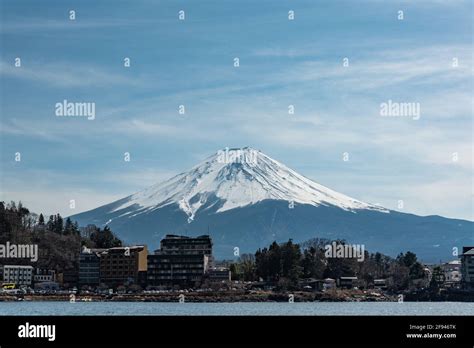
pixel 245 199
pixel 237 178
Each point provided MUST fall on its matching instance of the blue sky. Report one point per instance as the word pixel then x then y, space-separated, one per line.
pixel 282 62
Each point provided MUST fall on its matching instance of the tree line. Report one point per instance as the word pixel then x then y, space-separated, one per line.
pixel 285 265
pixel 59 240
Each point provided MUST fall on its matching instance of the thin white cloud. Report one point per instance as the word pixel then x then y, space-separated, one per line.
pixel 445 197
pixel 52 191
pixel 425 65
pixel 48 203
pixel 15 25
pixel 66 75
pixel 25 128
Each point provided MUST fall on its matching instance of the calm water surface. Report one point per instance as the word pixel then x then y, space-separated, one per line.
pixel 262 308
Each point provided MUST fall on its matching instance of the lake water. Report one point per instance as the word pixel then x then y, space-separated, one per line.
pixel 242 308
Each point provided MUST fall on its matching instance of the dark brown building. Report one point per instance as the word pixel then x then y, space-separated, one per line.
pixel 123 265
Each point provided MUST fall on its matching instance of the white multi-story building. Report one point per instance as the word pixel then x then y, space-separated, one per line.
pixel 452 271
pixel 20 275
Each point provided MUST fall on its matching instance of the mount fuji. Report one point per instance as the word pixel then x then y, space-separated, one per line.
pixel 245 199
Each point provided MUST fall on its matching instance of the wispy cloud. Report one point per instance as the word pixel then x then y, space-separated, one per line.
pixel 50 191
pixel 67 75
pixel 422 66
pixel 21 24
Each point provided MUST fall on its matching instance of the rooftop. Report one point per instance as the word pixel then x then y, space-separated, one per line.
pixel 122 249
pixel 18 266
pixel 174 236
pixel 454 262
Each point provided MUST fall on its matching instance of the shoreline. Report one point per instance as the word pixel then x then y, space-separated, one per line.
pixel 333 295
pixel 231 297
pixel 213 297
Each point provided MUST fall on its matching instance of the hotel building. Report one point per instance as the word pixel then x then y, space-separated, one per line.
pixel 89 267
pixel 180 261
pixel 467 267
pixel 123 265
pixel 20 275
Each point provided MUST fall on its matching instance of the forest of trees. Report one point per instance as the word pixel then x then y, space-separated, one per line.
pixel 59 240
pixel 285 264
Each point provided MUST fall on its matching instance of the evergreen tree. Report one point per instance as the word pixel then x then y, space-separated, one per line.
pixel 105 238
pixel 5 225
pixel 290 261
pixel 50 223
pixel 408 260
pixel 274 261
pixel 312 263
pixel 261 263
pixel 75 228
pixel 279 261
pixel 68 227
pixel 41 220
pixel 58 224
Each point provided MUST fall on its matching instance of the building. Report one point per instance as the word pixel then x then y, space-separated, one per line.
pixel 311 284
pixel 467 267
pixel 428 273
pixel 89 267
pixel 20 275
pixel 347 282
pixel 218 275
pixel 123 265
pixel 329 283
pixel 380 284
pixel 44 275
pixel 69 278
pixel 452 272
pixel 47 286
pixel 180 261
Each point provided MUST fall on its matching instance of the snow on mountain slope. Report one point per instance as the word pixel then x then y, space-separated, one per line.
pixel 241 197
pixel 237 178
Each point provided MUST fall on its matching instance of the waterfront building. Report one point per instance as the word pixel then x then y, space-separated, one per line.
pixel 44 275
pixel 89 266
pixel 180 261
pixel 452 273
pixel 20 275
pixel 123 265
pixel 47 286
pixel 220 274
pixel 69 277
pixel 380 284
pixel 428 273
pixel 329 283
pixel 347 282
pixel 311 284
pixel 467 267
